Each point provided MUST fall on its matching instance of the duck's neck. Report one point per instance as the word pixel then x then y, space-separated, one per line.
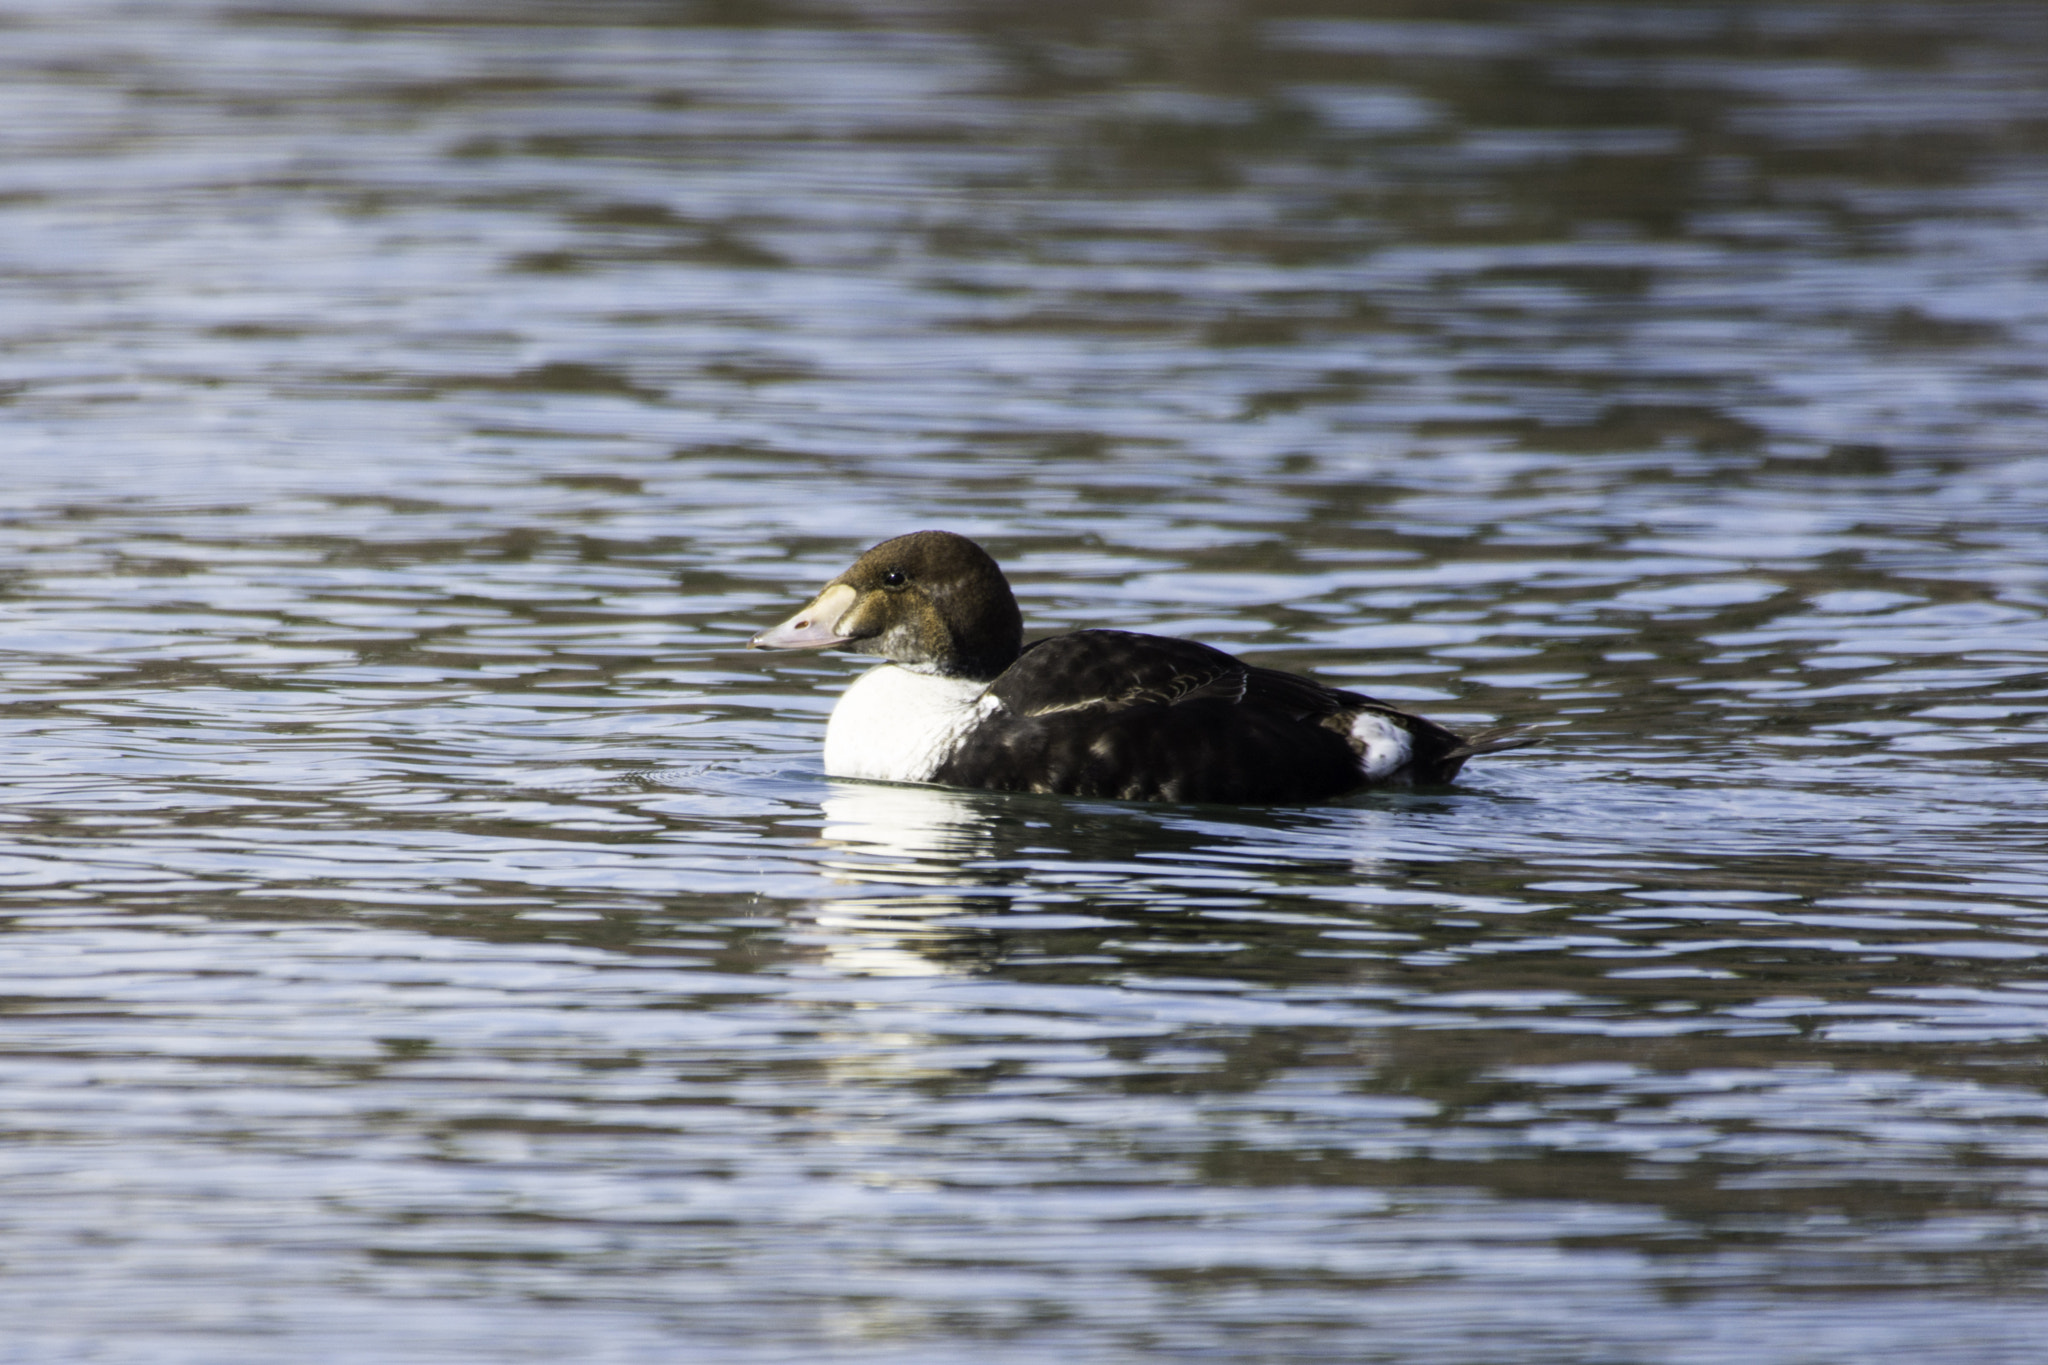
pixel 983 667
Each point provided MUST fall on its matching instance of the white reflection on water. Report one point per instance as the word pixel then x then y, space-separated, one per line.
pixel 900 833
pixel 903 837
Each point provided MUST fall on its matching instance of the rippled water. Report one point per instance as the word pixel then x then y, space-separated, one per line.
pixel 430 937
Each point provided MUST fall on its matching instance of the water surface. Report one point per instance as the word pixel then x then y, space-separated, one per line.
pixel 429 936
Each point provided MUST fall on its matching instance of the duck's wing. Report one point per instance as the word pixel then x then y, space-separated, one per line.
pixel 1116 670
pixel 1149 717
pixel 1107 671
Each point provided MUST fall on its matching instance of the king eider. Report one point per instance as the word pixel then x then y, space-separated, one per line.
pixel 961 699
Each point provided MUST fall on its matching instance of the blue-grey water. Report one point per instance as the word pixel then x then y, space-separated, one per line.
pixel 428 936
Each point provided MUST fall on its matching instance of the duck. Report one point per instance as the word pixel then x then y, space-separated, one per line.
pixel 960 700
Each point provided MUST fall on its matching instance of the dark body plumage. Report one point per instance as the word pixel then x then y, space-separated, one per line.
pixel 1152 718
pixel 1094 713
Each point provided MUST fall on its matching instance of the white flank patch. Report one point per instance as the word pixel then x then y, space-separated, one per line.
pixel 1382 745
pixel 894 725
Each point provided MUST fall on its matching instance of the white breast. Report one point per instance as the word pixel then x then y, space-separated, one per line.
pixel 894 725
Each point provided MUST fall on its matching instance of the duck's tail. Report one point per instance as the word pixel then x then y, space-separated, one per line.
pixel 1492 741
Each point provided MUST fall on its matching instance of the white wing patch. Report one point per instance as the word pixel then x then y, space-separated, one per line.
pixel 894 725
pixel 1383 746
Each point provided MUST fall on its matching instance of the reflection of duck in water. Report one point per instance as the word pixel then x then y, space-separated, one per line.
pixel 964 702
pixel 905 834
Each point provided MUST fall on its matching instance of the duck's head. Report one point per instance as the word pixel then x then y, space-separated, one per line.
pixel 930 601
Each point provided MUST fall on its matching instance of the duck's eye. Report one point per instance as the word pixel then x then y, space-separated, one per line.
pixel 893 578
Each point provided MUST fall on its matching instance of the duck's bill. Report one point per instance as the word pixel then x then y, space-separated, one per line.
pixel 812 628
